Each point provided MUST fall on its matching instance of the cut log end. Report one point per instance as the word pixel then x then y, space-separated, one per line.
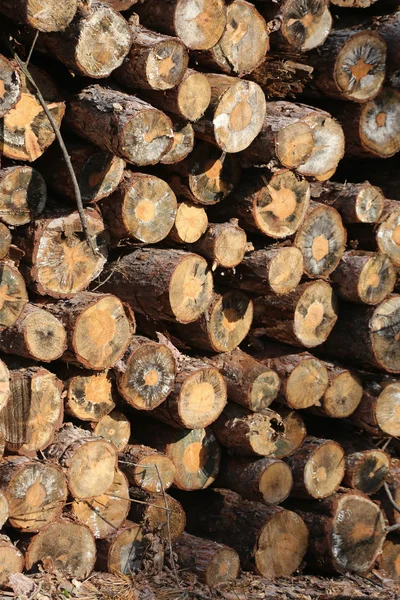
pixel 385 334
pixel 190 288
pixel 114 428
pixel 146 468
pixel 5 241
pixel 12 560
pixel 45 15
pixel 343 395
pixel 366 470
pixel 23 195
pixel 293 436
pixel 121 553
pixel 306 26
pixel 315 314
pixel 329 143
pixel 388 235
pixel 276 482
pixel 201 24
pixel 154 514
pixel 89 396
pixel 389 562
pixel 190 223
pixel 193 96
pixel 324 471
pixel 306 384
pixel 147 137
pixel 13 294
pixel 286 270
pixel 369 204
pixel 10 86
pixel 294 144
pixel 97 460
pixel 379 124
pixel 182 145
pixel 230 321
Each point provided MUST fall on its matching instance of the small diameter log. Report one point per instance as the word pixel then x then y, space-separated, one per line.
pixel 343 394
pixel 223 244
pixel 271 204
pixel 58 260
pixel 147 468
pixel 267 480
pixel 106 513
pixel 366 470
pixel 249 382
pixel 34 411
pixel 5 241
pixel 378 410
pixel 23 195
pixel 243 45
pixel 189 100
pixel 223 326
pixel 371 335
pixel 89 396
pixel 183 143
pixel 13 294
pixel 114 428
pixel 356 202
pixel 387 236
pixel 318 468
pixel 142 208
pixel 294 432
pixel 26 132
pixel 12 560
pixel 36 334
pixel 235 114
pixel 172 285
pixel 278 268
pixel 121 552
pixel 198 397
pixel 98 326
pixel 146 374
pixel 88 461
pixel 190 223
pixel 304 317
pixel 63 545
pixel 45 15
pixel 151 510
pixel 199 24
pixel 154 61
pixel 10 85
pixel 347 531
pixel 269 540
pixel 364 277
pixel 121 124
pixel 389 561
pixel 98 172
pixel 247 433
pixel 213 563
pixel 321 238
pixel 36 492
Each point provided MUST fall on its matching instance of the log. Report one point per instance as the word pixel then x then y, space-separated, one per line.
pixel 26 132
pixel 13 294
pixel 282 78
pixel 183 143
pixel 121 124
pixel 88 461
pixel 243 45
pixel 146 468
pixel 393 481
pixel 321 238
pixel 214 564
pixel 257 532
pixel 389 560
pixel 173 285
pixel 366 470
pixel 377 411
pixel 120 5
pixel 36 334
pixel 63 545
pixel 304 317
pixel 356 202
pixel 106 513
pixel 294 432
pixel 353 3
pixel 154 61
pixel 99 328
pixel 145 375
pixel 278 268
pixel 89 396
pixel 249 382
pixel 387 234
pixel 223 326
pixel 12 560
pixel 142 208
pixel 58 260
pixel 343 394
pixel 247 433
pixel 198 24
pixel 198 397
pixel 266 480
pixel 34 411
pixel 36 492
pixel 23 195
pixel 45 15
pixel 151 510
pixel 318 468
pixel 223 244
pixel 10 84
pixel 190 223
pixel 5 241
pixel 121 553
pixel 235 114
pixel 4 509
pixel 114 428
pixel 94 44
pixel 387 25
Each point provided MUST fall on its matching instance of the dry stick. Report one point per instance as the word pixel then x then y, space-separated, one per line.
pixel 392 501
pixel 171 552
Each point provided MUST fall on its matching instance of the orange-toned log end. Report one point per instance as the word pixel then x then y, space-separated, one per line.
pixel 230 321
pixel 190 223
pixel 223 244
pixel 316 314
pixel 12 560
pixel 146 468
pixel 13 294
pixel 294 434
pixel 89 396
pixel 43 15
pixel 114 428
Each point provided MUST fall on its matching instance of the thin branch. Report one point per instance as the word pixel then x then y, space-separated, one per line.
pixel 32 49
pixel 171 552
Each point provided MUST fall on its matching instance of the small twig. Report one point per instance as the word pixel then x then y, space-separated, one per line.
pixel 108 276
pixel 171 552
pixel 32 48
pixel 386 444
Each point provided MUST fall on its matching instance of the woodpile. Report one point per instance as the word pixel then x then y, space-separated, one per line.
pixel 199 287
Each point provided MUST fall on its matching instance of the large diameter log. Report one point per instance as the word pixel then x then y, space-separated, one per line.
pixel 114 428
pixel 23 195
pixel 36 334
pixel 13 294
pixel 198 24
pixel 36 492
pixel 249 382
pixel 26 132
pixel 34 411
pixel 304 317
pixel 99 329
pixel 142 208
pixel 10 84
pixel 321 238
pixel 88 395
pixel 318 468
pixel 190 223
pixel 294 432
pixel 147 468
pixel 12 560
pixel 223 244
pixel 88 461
pixel 121 552
pixel 121 124
pixel 198 397
pixel 58 260
pixel 347 531
pixel 366 470
pixel 371 335
pixel 145 374
pixel 213 563
pixel 66 546
pixel 356 202
pixel 173 285
pixel 45 15
pixel 282 78
pixel 183 143
pixel 269 540
pixel 247 433
pixel 151 509
pixel 379 407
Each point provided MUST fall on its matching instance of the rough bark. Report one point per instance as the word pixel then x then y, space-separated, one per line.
pixel 23 195
pixel 147 468
pixel 282 78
